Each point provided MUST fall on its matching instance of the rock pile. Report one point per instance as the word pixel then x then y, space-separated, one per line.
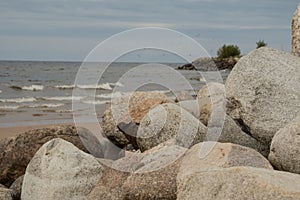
pixel 260 126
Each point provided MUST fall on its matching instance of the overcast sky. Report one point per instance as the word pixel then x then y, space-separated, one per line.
pixel 70 29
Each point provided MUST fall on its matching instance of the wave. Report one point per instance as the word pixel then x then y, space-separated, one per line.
pixel 18 100
pixel 94 102
pixel 9 107
pixel 118 84
pixel 44 105
pixel 68 98
pixel 28 88
pixel 64 87
pixel 104 86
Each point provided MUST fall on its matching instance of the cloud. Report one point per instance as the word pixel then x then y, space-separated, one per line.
pixel 227 20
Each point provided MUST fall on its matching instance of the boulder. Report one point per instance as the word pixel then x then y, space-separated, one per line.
pixel 159 184
pixel 16 152
pixel 59 170
pixel 239 183
pixel 183 96
pixel 296 32
pixel 285 147
pixel 223 155
pixel 191 106
pixel 129 108
pixel 5 194
pixel 169 121
pixel 16 188
pixel 263 92
pixel 110 186
pixel 232 133
pixel 210 97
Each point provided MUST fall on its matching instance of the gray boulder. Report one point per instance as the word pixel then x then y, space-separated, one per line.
pixel 16 188
pixel 296 32
pixel 239 183
pixel 191 106
pixel 5 194
pixel 223 155
pixel 16 152
pixel 285 147
pixel 263 92
pixel 169 121
pixel 128 109
pixel 59 170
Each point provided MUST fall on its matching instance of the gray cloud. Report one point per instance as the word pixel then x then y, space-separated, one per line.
pixel 228 21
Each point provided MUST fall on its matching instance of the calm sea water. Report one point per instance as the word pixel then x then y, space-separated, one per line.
pixel 33 93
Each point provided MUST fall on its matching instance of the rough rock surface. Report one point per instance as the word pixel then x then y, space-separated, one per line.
pixel 263 92
pixel 285 147
pixel 16 152
pixel 59 170
pixel 210 97
pixel 240 183
pixel 159 184
pixel 5 194
pixel 110 186
pixel 129 108
pixel 296 32
pixel 16 188
pixel 223 155
pixel 232 133
pixel 191 106
pixel 169 121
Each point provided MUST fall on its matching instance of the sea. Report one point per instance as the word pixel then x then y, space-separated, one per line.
pixel 41 92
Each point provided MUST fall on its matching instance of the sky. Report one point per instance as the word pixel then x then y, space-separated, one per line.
pixel 67 30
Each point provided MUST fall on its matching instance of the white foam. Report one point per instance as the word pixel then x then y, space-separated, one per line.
pixel 104 86
pixel 94 102
pixel 18 100
pixel 63 87
pixel 0 91
pixel 9 107
pixel 119 84
pixel 44 105
pixel 68 98
pixel 33 88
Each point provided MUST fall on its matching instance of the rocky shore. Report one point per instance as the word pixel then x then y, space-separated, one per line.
pixel 240 144
pixel 210 64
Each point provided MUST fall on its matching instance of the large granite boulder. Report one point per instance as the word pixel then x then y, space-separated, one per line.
pixel 128 109
pixel 159 184
pixel 223 155
pixel 16 188
pixel 263 92
pixel 16 152
pixel 232 133
pixel 191 106
pixel 210 97
pixel 296 32
pixel 239 183
pixel 59 170
pixel 110 186
pixel 169 121
pixel 5 194
pixel 285 147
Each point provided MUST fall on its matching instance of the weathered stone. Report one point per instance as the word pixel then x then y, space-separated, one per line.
pixel 232 133
pixel 169 121
pixel 129 108
pixel 296 32
pixel 5 194
pixel 110 186
pixel 16 152
pixel 285 147
pixel 210 97
pixel 191 106
pixel 16 188
pixel 263 92
pixel 159 184
pixel 239 183
pixel 183 96
pixel 59 170
pixel 222 155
